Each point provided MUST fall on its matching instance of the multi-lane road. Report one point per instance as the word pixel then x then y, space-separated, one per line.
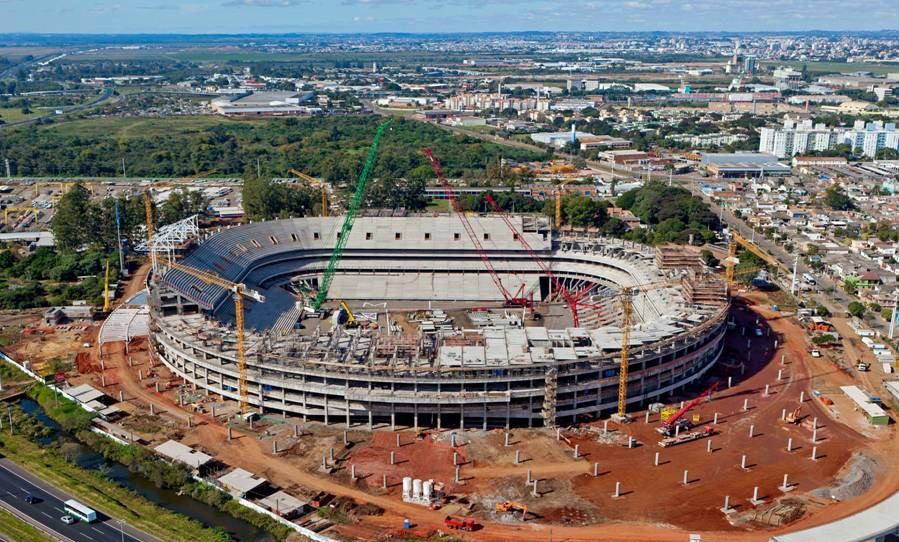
pixel 46 511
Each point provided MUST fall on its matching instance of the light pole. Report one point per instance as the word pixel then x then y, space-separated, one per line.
pixel 121 529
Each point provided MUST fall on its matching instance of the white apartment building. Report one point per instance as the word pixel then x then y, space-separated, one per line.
pixel 796 138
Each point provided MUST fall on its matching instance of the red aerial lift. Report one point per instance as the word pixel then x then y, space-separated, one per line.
pixel 669 426
pixel 516 300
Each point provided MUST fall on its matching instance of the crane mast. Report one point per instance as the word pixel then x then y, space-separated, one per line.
pixel 238 291
pixel 349 219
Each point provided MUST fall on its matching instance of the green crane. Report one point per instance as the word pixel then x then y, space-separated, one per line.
pixel 349 219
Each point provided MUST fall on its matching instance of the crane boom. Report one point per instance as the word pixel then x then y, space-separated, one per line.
pixel 350 218
pixel 670 422
pixel 238 291
pixel 457 207
pixel 572 302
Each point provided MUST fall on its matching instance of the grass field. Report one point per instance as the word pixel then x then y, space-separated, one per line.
pixel 18 530
pixel 123 128
pixel 14 114
pixel 841 67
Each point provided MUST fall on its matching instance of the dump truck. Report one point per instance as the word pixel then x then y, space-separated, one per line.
pixel 461 524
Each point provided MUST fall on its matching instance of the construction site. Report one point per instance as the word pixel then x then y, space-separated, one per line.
pixel 486 376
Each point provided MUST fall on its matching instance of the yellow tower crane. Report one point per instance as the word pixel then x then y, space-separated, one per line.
pixel 239 292
pixel 627 309
pixel 148 209
pixel 314 183
pixel 106 304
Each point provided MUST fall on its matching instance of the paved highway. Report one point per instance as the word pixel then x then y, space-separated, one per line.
pixel 44 514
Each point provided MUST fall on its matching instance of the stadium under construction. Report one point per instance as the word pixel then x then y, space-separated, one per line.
pixel 426 335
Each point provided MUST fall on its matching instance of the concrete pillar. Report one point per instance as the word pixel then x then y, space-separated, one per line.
pixel 686 477
pixel 453 440
pixel 605 427
pixel 630 442
pixel 331 454
pixel 324 461
pixel 814 453
pixel 786 484
pixel 457 478
pixel 384 480
pixel 274 447
pixel 577 451
pixel 296 431
pixel 595 470
pixel 156 385
pixel 743 462
pixel 455 458
pixel 647 417
pixel 140 375
pixel 393 458
pixel 656 462
pixel 751 431
pixel 102 381
pixel 398 440
pixel 726 509
pixel 783 415
pixel 790 444
pixel 767 386
pixel 715 419
pixel 506 440
pixel 535 493
pixel 814 435
pixel 352 472
pixel 708 446
pixel 745 405
pixel 730 381
pixel 229 433
pixel 676 431
pixel 559 434
pixel 346 438
pixel 530 477
pixel 617 490
pixel 121 396
pixel 517 456
pixel 780 374
pixel 755 495
pixel 801 396
pixel 152 410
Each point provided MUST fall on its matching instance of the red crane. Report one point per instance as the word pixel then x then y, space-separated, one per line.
pixel 516 300
pixel 669 424
pixel 569 298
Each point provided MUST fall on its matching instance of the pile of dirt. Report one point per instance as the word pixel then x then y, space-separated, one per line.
pixel 781 512
pixel 854 479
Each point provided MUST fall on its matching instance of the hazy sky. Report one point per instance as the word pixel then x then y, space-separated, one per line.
pixel 239 16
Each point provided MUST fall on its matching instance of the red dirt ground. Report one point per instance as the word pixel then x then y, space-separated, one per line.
pixel 656 495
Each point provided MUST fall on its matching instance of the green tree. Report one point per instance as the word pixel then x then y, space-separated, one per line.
pixel 836 199
pixel 856 309
pixel 181 204
pixel 73 224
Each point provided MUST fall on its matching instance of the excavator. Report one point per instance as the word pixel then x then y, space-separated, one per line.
pixel 512 506
pixel 351 320
pixel 795 417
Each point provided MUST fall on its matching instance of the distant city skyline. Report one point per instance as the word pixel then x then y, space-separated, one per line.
pixel 415 16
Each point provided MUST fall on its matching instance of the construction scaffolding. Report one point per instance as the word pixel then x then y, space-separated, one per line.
pixel 705 289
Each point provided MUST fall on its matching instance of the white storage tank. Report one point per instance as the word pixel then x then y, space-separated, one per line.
pixel 407 487
pixel 416 489
pixel 427 490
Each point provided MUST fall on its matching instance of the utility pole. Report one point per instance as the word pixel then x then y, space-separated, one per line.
pixel 793 283
pixel 893 315
pixel 118 230
pixel 258 168
pixel 8 170
pixel 124 173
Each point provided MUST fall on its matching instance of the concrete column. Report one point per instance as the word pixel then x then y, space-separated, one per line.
pixel 656 462
pixel 686 477
pixel 708 446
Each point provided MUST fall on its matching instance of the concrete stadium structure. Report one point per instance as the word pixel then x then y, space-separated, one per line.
pixel 490 376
